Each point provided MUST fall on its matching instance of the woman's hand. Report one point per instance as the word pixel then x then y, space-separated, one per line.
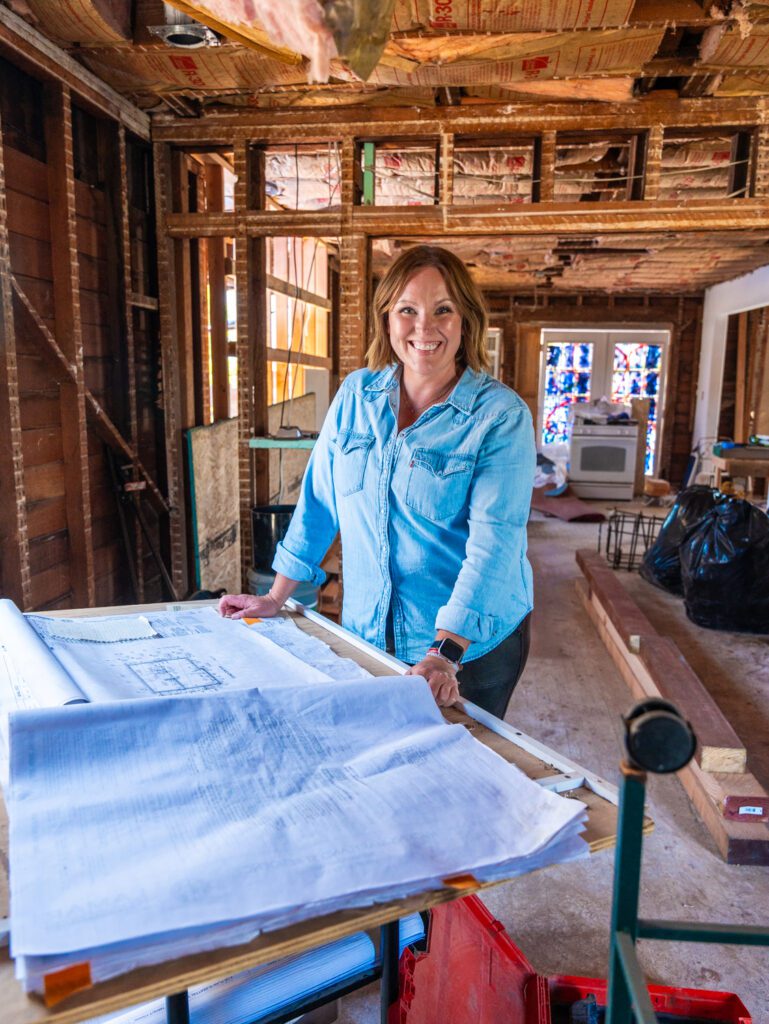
pixel 248 606
pixel 440 678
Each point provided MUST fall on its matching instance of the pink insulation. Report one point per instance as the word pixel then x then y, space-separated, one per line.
pixel 295 24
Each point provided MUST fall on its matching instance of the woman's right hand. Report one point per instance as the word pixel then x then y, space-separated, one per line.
pixel 248 606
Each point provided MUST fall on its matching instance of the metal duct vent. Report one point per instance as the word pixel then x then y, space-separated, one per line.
pixel 183 31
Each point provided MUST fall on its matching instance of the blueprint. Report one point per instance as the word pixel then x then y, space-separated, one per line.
pixel 143 831
pixel 47 661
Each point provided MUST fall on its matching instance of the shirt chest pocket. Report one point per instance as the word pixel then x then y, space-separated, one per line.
pixel 438 483
pixel 350 461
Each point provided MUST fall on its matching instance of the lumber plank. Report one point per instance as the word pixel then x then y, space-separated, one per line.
pixel 628 619
pixel 738 842
pixel 719 748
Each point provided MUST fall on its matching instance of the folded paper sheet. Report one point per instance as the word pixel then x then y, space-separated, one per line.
pixel 142 830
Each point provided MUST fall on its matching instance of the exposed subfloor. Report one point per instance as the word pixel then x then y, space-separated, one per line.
pixel 571 697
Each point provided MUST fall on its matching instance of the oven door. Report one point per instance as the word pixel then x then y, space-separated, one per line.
pixel 602 459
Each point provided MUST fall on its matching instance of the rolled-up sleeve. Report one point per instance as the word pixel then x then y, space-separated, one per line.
pixel 314 523
pixel 493 591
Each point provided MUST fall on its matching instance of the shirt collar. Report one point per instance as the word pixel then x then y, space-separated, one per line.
pixel 462 397
pixel 386 379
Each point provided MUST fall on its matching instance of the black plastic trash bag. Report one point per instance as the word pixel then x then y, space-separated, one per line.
pixel 661 564
pixel 725 568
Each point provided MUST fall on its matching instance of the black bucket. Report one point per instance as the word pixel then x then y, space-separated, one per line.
pixel 268 528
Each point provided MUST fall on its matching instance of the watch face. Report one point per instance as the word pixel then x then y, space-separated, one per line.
pixel 450 649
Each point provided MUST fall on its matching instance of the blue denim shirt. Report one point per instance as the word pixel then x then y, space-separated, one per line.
pixel 432 519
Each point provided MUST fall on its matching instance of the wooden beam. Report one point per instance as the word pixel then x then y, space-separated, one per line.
pixel 143 301
pixel 217 299
pixel 169 330
pixel 43 58
pixel 66 295
pixel 503 120
pixel 276 284
pixel 534 218
pixel 653 168
pixel 543 186
pixel 15 575
pixel 284 355
pixel 739 842
pixel 628 619
pixel 719 748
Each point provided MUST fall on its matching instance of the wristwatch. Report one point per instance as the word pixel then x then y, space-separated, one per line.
pixel 449 650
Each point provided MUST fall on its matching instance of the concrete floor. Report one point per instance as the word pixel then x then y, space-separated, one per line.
pixel 571 697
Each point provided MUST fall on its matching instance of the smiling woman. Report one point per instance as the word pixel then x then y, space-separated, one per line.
pixel 425 465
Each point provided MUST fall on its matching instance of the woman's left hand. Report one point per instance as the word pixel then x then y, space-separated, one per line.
pixel 440 678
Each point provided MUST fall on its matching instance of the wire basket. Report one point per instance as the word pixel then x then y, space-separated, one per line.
pixel 625 537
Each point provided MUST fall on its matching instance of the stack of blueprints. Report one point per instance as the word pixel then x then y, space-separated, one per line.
pixel 147 829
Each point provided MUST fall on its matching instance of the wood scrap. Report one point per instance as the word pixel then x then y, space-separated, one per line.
pixel 740 840
pixel 719 748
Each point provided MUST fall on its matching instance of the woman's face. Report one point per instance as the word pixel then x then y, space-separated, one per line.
pixel 426 326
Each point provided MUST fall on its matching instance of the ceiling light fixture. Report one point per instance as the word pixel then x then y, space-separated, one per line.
pixel 189 35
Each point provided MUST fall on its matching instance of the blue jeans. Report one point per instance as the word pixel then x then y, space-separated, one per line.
pixel 489 681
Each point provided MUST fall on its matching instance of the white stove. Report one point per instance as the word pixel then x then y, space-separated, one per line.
pixel 602 459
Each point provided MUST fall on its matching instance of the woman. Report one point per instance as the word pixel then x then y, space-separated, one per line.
pixel 425 465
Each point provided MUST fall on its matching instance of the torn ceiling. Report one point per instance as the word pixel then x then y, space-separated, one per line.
pixel 424 52
pixel 459 52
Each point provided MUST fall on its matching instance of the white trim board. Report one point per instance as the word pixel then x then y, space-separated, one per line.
pixel 750 291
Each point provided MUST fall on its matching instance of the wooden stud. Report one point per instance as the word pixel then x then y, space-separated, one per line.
pixel 653 167
pixel 446 167
pixel 217 291
pixel 203 356
pixel 185 348
pixel 543 184
pixel 740 383
pixel 15 576
pixel 128 331
pixel 66 295
pixel 169 330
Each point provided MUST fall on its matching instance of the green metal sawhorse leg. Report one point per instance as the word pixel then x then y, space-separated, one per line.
pixel 657 740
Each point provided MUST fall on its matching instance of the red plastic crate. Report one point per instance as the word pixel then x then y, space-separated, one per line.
pixel 473 973
pixel 698 1003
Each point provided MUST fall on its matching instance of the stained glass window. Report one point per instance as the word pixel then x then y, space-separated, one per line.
pixel 636 374
pixel 567 380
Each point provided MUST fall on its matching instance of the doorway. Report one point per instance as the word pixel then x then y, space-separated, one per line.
pixel 584 365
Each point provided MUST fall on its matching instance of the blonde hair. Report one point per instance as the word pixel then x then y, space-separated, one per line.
pixel 463 291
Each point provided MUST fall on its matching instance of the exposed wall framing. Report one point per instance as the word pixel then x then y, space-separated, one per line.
pixel 67 370
pixel 358 224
